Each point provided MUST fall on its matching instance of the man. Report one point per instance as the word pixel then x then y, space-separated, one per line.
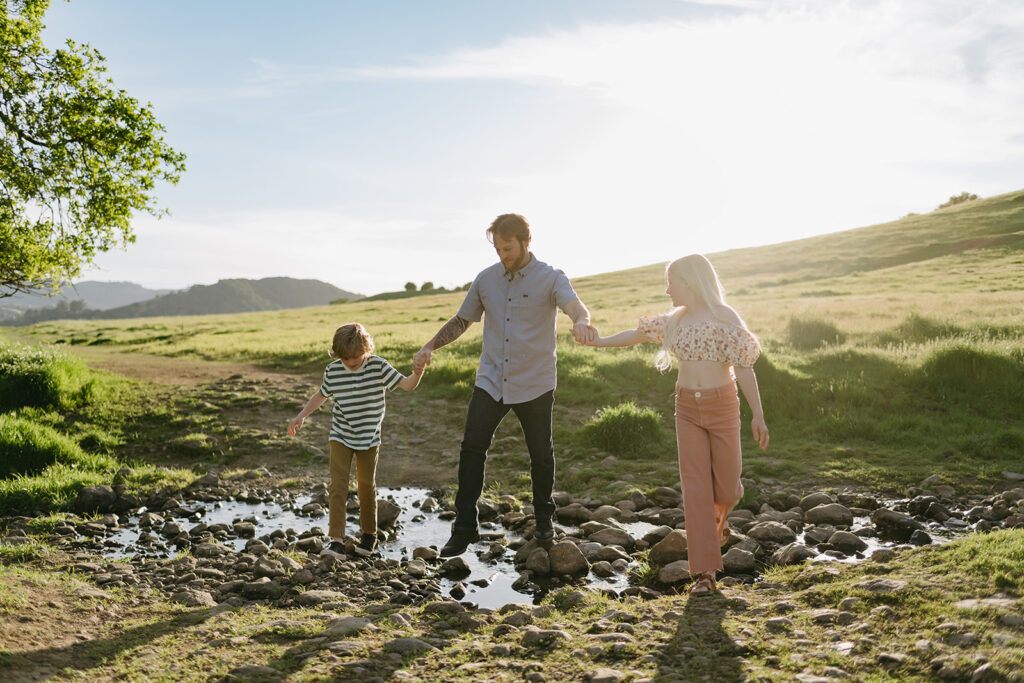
pixel 518 299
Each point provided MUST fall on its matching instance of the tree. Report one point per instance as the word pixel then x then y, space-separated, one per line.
pixel 427 286
pixel 77 156
pixel 958 199
pixel 410 286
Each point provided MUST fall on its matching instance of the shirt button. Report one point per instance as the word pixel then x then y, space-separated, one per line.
pixel 508 319
pixel 510 299
pixel 696 394
pixel 506 340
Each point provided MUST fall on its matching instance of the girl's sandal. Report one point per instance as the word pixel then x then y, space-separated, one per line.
pixel 724 538
pixel 703 585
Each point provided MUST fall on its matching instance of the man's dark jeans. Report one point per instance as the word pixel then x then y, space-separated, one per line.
pixel 482 419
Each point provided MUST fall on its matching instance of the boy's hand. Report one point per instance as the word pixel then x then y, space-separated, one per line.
pixel 295 425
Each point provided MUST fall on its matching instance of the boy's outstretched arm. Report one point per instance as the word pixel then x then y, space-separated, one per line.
pixel 412 381
pixel 314 402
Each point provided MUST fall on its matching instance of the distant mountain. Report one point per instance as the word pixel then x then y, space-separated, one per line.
pixel 235 296
pixel 96 296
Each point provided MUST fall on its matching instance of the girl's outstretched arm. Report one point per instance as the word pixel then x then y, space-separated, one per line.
pixel 624 338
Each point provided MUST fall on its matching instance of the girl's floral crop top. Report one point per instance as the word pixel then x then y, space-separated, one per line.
pixel 712 340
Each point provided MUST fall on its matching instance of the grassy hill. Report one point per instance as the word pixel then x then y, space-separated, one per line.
pixel 891 352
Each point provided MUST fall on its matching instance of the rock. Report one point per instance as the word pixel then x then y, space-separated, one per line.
pixel 674 572
pixel 193 598
pixel 574 513
pixel 606 512
pixel 95 499
pixel 566 558
pixel 794 553
pixel 425 553
pixel 894 525
pixel 881 586
pixel 538 562
pixel 602 568
pixel 254 672
pixel 813 500
pixel 830 513
pixel 847 542
pixel 416 569
pixel 262 589
pixel 544 637
pixel 387 513
pixel 605 675
pixel 669 549
pixel 779 624
pixel 269 568
pixel 408 646
pixel 311 544
pixel 1013 476
pixel 772 532
pixel 738 561
pixel 346 626
pixel 456 567
pixel 666 497
pixel 318 597
pixel 613 537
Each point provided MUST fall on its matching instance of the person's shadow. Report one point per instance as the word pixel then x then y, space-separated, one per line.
pixel 701 649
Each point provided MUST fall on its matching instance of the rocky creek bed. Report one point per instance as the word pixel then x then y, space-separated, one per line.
pixel 231 541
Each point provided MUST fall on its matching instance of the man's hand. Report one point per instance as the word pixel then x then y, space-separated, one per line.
pixel 585 333
pixel 421 359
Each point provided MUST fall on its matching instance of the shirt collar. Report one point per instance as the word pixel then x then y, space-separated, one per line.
pixel 522 272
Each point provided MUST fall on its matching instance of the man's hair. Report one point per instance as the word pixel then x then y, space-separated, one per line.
pixel 351 341
pixel 509 225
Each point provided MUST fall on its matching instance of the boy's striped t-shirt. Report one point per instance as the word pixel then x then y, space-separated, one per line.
pixel 358 400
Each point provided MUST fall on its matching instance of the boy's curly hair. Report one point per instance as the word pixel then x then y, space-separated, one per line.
pixel 351 341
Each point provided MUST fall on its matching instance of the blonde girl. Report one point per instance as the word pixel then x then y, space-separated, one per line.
pixel 715 352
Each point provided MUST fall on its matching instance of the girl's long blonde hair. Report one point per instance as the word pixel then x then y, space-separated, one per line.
pixel 701 277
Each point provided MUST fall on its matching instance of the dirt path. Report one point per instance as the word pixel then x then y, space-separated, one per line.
pixel 253 405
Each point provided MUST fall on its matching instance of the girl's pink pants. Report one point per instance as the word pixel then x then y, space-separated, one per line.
pixel 710 462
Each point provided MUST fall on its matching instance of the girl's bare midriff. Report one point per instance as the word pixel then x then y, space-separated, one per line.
pixel 702 374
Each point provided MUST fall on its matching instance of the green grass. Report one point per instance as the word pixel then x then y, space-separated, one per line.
pixel 891 352
pixel 43 378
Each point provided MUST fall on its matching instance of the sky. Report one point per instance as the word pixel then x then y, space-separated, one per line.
pixel 371 144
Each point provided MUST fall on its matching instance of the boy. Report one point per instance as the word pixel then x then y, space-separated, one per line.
pixel 356 381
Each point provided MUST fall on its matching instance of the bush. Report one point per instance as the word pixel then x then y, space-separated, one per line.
pixel 808 334
pixel 42 378
pixel 917 329
pixel 987 382
pixel 29 448
pixel 624 429
pixel 959 199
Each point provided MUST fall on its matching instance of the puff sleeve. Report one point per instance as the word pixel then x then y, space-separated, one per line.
pixel 742 347
pixel 653 327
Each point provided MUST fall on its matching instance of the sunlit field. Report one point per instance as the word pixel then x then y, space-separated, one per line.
pixel 891 352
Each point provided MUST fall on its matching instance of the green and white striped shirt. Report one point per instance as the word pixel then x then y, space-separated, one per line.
pixel 358 400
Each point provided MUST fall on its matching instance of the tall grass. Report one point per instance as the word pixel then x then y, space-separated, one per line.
pixel 41 377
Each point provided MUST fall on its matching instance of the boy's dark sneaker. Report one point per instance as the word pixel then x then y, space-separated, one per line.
pixel 368 542
pixel 544 531
pixel 458 543
pixel 335 549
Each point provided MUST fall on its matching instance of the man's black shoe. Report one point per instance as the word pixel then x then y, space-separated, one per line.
pixel 368 542
pixel 458 543
pixel 544 531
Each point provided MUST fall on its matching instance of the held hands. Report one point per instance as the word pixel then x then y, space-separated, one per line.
pixel 760 430
pixel 420 360
pixel 295 425
pixel 585 334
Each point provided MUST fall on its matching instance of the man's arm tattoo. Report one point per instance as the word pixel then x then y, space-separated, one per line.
pixel 449 332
